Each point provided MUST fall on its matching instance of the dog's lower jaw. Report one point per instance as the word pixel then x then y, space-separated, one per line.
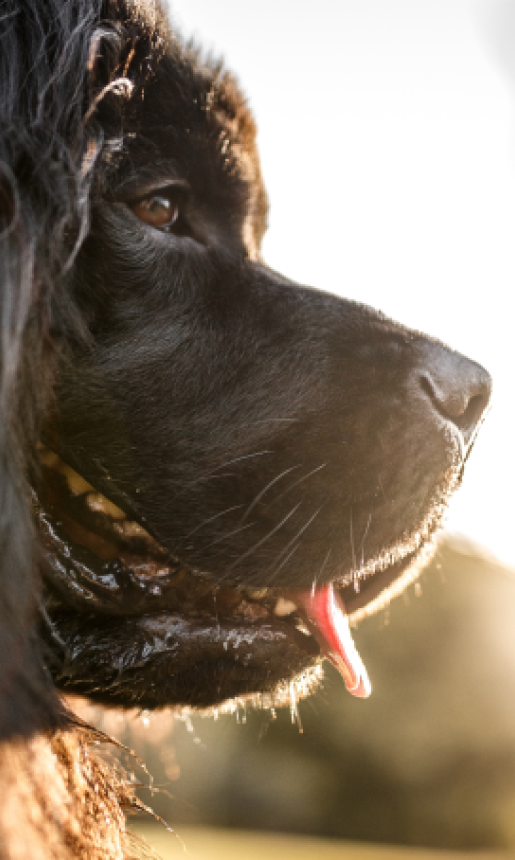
pixel 143 630
pixel 164 659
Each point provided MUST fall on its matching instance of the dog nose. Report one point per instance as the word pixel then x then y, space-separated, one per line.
pixel 458 388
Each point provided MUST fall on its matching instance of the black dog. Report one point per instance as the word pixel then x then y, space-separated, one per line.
pixel 219 462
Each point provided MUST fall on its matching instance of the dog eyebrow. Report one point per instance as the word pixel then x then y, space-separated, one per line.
pixel 149 178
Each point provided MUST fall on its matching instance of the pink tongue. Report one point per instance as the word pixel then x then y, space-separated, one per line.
pixel 329 624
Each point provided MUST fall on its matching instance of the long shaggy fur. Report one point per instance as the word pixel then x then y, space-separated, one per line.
pixel 57 798
pixel 43 198
pixel 58 63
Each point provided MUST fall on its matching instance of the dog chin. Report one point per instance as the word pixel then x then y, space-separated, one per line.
pixel 129 625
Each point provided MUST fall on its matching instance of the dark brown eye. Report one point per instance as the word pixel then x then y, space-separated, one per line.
pixel 158 210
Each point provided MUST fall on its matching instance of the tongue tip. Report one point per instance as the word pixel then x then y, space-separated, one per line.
pixel 362 690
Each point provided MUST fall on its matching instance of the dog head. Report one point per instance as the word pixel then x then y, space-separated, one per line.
pixel 230 462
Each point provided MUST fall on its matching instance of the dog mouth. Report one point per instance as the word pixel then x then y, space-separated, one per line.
pixel 130 624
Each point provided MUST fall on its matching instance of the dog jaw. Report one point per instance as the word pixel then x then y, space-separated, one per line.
pixel 130 625
pixel 216 623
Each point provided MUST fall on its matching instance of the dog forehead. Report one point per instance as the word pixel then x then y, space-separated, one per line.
pixel 197 105
pixel 190 120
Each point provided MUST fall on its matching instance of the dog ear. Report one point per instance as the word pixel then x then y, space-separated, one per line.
pixel 27 701
pixel 65 69
pixel 43 215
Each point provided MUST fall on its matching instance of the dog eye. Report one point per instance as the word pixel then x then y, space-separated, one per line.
pixel 159 210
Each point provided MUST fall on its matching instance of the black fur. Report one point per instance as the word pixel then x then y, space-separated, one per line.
pixel 264 433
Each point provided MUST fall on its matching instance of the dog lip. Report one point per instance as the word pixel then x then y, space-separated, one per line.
pixel 136 590
pixel 377 590
pixel 309 624
pixel 134 586
pixel 124 586
pixel 111 629
pixel 164 658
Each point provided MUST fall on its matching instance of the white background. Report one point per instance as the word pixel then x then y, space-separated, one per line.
pixel 387 138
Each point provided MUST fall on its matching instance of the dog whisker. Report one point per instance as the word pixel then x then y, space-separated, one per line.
pixel 320 572
pixel 351 528
pixel 230 535
pixel 262 492
pixel 364 538
pixel 300 481
pixel 264 539
pixel 284 561
pixel 206 522
pixel 299 533
pixel 213 472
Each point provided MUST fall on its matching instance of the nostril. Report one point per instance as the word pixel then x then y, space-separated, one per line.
pixel 472 414
pixel 461 398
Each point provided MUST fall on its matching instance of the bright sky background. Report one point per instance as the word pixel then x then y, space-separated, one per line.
pixel 387 136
